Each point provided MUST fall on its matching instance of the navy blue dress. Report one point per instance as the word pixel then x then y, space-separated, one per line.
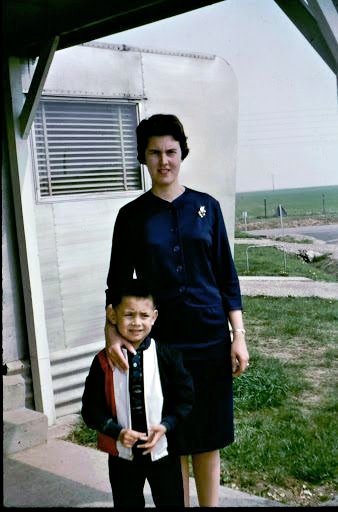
pixel 182 249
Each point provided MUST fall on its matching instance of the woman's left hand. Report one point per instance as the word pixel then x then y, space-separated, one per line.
pixel 239 355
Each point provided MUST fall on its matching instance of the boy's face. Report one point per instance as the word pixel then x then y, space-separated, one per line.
pixel 134 318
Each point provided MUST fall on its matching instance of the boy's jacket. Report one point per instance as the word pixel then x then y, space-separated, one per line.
pixel 168 393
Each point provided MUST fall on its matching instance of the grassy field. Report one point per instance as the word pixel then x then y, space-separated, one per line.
pixel 269 261
pixel 298 202
pixel 286 403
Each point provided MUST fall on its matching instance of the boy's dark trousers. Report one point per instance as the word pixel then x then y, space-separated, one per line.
pixel 127 479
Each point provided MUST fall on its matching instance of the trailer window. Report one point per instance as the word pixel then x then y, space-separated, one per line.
pixel 85 147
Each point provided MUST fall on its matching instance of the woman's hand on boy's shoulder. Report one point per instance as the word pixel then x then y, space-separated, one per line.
pixel 114 344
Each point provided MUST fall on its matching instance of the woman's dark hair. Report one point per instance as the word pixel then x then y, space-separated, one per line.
pixel 157 126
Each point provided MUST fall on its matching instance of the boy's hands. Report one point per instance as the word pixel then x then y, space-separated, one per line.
pixel 155 434
pixel 129 437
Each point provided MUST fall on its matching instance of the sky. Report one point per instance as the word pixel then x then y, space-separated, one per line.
pixel 288 116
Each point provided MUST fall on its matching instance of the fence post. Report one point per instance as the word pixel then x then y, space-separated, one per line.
pixel 281 217
pixel 245 216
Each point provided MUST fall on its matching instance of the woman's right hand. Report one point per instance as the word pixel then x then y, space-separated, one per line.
pixel 114 344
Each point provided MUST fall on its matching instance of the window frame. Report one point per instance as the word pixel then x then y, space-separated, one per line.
pixel 40 199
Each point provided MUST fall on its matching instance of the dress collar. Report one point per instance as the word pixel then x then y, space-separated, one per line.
pixel 158 200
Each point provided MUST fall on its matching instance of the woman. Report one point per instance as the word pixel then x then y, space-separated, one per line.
pixel 175 238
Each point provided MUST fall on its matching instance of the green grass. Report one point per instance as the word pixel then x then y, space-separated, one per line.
pixel 269 385
pixel 291 319
pixel 83 435
pixel 269 261
pixel 286 403
pixel 297 202
pixel 305 453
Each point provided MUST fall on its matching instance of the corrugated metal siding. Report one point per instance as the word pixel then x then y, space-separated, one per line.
pixel 69 371
pixel 74 248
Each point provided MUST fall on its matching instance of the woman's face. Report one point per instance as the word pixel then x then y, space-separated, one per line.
pixel 163 157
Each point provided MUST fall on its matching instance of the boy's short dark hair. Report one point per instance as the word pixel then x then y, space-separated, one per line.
pixel 132 288
pixel 159 125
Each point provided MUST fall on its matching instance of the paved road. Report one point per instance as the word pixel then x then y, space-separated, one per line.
pixel 287 287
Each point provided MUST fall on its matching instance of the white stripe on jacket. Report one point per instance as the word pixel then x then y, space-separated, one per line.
pixel 153 399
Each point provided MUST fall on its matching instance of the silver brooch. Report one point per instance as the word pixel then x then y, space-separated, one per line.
pixel 202 212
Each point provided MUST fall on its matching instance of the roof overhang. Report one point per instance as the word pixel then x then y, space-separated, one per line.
pixel 317 20
pixel 29 24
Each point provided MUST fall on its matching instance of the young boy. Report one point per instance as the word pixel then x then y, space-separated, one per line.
pixel 136 412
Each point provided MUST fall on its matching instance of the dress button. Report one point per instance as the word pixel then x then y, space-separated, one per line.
pixel 176 248
pixel 134 365
pixel 179 268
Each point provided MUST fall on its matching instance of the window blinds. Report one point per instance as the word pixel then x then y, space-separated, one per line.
pixel 85 147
